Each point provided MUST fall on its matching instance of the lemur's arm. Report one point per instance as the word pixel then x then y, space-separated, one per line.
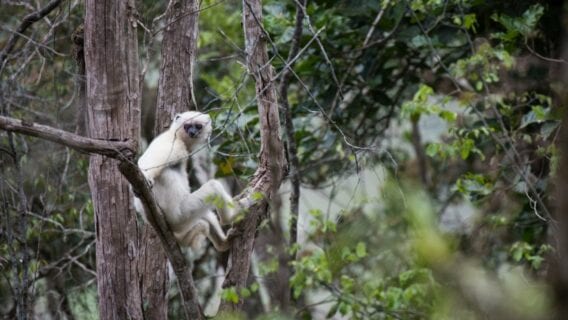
pixel 164 151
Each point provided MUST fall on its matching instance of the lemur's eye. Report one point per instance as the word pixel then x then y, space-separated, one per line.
pixel 198 126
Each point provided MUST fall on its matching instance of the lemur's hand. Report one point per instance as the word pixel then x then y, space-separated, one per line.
pixel 244 203
pixel 150 182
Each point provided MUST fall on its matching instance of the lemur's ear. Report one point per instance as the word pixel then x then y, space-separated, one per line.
pixel 176 116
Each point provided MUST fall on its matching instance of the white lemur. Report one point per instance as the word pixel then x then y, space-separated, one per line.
pixel 164 165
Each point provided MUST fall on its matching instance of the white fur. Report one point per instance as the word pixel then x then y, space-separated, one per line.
pixel 188 213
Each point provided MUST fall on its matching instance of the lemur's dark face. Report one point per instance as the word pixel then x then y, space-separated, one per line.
pixel 196 125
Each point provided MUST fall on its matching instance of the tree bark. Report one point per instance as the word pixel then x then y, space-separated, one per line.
pixel 179 48
pixel 175 95
pixel 559 273
pixel 113 112
pixel 283 277
pixel 268 176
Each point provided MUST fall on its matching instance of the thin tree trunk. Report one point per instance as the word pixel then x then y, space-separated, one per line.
pixel 268 176
pixel 294 162
pixel 559 274
pixel 175 94
pixel 113 112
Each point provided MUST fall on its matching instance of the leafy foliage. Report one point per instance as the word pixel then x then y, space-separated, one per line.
pixel 450 100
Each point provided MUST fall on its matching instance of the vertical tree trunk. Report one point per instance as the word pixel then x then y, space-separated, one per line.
pixel 179 47
pixel 559 274
pixel 175 94
pixel 268 176
pixel 113 112
pixel 285 294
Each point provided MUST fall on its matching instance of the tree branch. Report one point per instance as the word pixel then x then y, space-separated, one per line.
pixel 24 25
pixel 125 152
pixel 175 95
pixel 155 217
pixel 113 149
pixel 268 176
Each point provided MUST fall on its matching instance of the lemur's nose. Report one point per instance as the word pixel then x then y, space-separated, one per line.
pixel 193 129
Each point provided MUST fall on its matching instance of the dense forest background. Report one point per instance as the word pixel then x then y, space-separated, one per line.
pixel 422 150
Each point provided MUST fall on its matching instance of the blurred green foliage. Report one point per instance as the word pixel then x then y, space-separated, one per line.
pixel 466 66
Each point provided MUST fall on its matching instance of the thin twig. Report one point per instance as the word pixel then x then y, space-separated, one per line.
pixel 24 25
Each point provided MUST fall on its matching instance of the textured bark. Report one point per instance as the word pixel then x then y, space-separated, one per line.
pixel 179 47
pixel 268 176
pixel 113 113
pixel 113 149
pixel 153 266
pixel 175 94
pixel 140 186
pixel 559 273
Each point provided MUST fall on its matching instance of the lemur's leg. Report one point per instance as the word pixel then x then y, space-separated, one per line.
pixel 196 233
pixel 216 234
pixel 198 205
pixel 212 195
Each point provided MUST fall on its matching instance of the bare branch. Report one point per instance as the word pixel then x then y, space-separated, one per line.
pixel 538 55
pixel 183 273
pixel 24 25
pixel 113 149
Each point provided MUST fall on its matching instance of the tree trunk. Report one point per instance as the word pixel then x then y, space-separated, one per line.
pixel 268 176
pixel 113 112
pixel 179 47
pixel 175 94
pixel 559 273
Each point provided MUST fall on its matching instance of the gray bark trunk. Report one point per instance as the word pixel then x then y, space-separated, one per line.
pixel 175 94
pixel 268 176
pixel 559 271
pixel 179 47
pixel 113 112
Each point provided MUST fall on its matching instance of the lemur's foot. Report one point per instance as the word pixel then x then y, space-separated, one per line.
pixel 233 233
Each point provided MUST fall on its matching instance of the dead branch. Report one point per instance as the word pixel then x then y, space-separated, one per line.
pixel 113 149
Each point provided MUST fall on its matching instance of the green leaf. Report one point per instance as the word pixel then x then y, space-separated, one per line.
pixel 361 250
pixel 536 261
pixel 256 196
pixel 448 115
pixel 466 148
pixel 332 311
pixel 347 283
pixel 245 293
pixel 469 21
pixel 432 149
pixel 230 294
